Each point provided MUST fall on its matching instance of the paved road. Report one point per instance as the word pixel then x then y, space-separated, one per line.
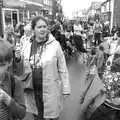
pixel 72 106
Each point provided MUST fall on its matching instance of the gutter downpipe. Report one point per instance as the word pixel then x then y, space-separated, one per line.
pixel 112 13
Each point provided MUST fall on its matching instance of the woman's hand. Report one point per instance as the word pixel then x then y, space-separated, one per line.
pixel 4 97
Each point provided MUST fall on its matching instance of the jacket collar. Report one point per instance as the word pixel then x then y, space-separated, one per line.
pixel 51 38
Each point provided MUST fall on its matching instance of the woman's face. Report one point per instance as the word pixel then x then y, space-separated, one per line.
pixel 41 29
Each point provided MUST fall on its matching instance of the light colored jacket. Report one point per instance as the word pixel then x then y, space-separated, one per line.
pixel 93 98
pixel 55 78
pixel 97 28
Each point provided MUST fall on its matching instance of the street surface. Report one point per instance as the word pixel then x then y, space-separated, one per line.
pixel 72 107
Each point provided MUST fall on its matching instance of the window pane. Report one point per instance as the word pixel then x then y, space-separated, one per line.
pixel 8 17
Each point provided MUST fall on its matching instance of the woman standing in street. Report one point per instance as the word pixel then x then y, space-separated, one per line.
pixel 44 58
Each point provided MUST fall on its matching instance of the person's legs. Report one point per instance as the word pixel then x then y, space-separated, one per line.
pixel 91 40
pixel 99 38
pixel 95 39
pixel 36 117
pixel 40 107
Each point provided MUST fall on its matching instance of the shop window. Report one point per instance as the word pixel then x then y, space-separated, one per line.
pixel 21 16
pixel 8 17
pixel 14 18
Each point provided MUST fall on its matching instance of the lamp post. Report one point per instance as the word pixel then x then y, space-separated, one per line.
pixel 1 22
pixel 109 12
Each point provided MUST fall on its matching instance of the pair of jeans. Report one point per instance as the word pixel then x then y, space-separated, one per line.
pixel 38 91
pixel 97 37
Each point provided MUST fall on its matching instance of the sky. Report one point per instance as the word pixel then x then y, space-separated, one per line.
pixel 71 5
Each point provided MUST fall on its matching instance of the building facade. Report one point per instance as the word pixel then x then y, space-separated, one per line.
pixel 106 11
pixel 16 11
pixel 110 12
pixel 116 13
pixel 93 12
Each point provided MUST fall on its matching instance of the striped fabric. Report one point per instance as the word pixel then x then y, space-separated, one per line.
pixel 3 108
pixel 3 112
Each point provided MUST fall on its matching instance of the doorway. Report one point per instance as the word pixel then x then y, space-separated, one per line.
pixel 10 17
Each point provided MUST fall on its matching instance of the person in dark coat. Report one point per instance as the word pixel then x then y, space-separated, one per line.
pixel 12 106
pixel 79 43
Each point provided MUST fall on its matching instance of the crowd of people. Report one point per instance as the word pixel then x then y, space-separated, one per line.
pixel 34 76
pixel 100 99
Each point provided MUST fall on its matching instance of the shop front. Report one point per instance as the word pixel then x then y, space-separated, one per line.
pixel 11 13
pixel 10 16
pixel 16 11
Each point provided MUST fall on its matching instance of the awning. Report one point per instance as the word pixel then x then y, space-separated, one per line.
pixel 26 4
pixel 13 3
pixel 33 7
pixel 29 2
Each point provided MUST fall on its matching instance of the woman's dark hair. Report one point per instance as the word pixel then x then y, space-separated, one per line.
pixel 36 19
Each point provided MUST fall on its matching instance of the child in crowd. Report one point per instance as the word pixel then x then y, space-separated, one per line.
pixel 91 72
pixel 100 61
pixel 11 92
pixel 92 81
pixel 105 105
pixel 91 64
pixel 109 109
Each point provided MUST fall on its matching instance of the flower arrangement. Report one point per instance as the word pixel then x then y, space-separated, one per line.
pixel 112 84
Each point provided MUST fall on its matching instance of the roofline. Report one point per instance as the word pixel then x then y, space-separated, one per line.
pixel 105 2
pixel 33 3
